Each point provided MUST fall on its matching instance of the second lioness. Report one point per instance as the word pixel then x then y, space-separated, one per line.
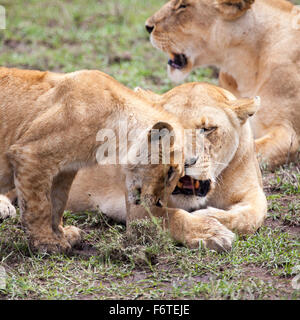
pixel 255 43
pixel 224 194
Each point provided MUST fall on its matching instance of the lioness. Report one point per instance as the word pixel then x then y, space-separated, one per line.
pixel 220 194
pixel 48 131
pixel 256 46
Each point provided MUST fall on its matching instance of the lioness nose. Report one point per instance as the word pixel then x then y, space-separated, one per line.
pixel 149 28
pixel 190 162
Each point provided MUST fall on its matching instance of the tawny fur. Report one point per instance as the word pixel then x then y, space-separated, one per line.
pixel 256 46
pixel 48 129
pixel 236 202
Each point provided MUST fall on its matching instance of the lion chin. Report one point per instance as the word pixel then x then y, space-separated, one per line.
pixel 189 203
pixel 176 75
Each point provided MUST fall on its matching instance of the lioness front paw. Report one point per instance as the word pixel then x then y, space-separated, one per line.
pixel 222 241
pixel 7 210
pixel 213 236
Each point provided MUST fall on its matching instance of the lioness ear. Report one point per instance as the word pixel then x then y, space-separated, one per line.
pixel 245 108
pixel 233 9
pixel 147 94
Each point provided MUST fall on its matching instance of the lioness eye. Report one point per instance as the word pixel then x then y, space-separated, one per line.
pixel 207 131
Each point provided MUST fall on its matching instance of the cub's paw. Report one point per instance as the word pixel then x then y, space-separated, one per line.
pixel 213 236
pixel 72 234
pixel 7 210
pixel 54 243
pixel 50 246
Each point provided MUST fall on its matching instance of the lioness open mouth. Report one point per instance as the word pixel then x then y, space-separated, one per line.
pixel 189 186
pixel 178 61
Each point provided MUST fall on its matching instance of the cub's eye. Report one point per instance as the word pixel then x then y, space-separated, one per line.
pixel 209 130
pixel 171 174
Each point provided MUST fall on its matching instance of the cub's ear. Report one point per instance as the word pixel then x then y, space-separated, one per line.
pixel 233 9
pixel 151 144
pixel 159 131
pixel 160 142
pixel 245 108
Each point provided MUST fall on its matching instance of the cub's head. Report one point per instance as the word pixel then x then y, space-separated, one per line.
pixel 217 123
pixel 195 32
pixel 155 165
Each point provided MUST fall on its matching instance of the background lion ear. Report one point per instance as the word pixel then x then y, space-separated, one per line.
pixel 147 94
pixel 245 108
pixel 233 9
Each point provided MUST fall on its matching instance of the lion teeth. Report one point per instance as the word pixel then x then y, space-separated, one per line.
pixel 172 56
pixel 180 185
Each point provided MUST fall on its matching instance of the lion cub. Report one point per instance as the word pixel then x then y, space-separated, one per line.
pixel 220 194
pixel 49 126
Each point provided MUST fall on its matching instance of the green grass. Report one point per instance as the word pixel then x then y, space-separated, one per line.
pixel 149 265
pixel 71 35
pixel 110 264
pixel 109 35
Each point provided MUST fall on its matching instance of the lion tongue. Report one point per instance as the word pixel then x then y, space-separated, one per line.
pixel 187 183
pixel 173 64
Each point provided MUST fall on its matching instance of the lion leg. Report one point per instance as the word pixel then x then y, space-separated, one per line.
pixel 243 218
pixel 193 230
pixel 188 229
pixel 33 181
pixel 36 214
pixel 279 146
pixel 59 196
